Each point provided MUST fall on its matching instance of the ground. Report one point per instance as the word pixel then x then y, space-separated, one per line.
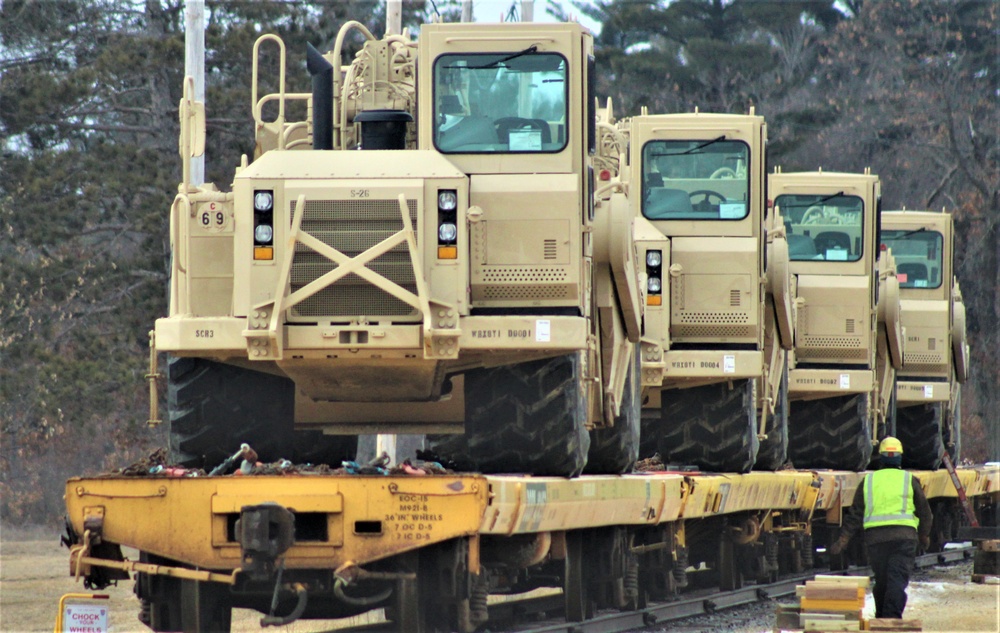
pixel 34 573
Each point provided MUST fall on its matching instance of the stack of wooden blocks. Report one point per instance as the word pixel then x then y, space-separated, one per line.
pixel 834 603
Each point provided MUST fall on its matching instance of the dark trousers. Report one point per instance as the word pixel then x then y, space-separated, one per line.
pixel 892 563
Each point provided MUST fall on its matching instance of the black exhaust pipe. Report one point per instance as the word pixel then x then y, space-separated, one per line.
pixel 322 98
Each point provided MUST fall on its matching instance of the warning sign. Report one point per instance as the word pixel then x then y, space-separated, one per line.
pixel 83 613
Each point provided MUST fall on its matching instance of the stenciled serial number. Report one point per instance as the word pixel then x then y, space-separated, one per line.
pixel 497 334
pixel 204 333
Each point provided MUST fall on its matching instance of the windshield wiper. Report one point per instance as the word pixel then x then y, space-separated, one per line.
pixel 496 64
pixel 812 203
pixel 693 149
pixel 905 235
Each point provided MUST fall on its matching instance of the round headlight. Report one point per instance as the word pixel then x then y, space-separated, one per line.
pixel 447 232
pixel 447 200
pixel 263 233
pixel 262 201
pixel 653 258
pixel 653 284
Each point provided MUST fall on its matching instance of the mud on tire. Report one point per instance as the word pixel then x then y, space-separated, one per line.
pixel 713 427
pixel 214 407
pixel 831 433
pixel 524 418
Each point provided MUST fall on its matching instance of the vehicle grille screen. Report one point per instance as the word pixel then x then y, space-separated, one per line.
pixel 352 227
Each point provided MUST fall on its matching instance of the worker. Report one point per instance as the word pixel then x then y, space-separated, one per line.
pixel 891 506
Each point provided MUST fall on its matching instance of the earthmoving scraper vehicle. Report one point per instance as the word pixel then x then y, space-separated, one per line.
pixel 936 360
pixel 453 276
pixel 719 315
pixel 848 338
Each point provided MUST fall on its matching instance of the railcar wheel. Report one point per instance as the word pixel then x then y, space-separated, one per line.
pixel 525 418
pixel 713 427
pixel 214 407
pixel 773 452
pixel 614 451
pixel 579 606
pixel 920 428
pixel 160 597
pixel 206 607
pixel 831 433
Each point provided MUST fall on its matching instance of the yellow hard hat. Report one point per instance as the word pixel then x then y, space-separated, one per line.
pixel 890 445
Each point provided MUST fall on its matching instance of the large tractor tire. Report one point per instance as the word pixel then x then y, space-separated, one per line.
pixel 215 407
pixel 525 418
pixel 773 452
pixel 831 433
pixel 920 428
pixel 713 427
pixel 614 450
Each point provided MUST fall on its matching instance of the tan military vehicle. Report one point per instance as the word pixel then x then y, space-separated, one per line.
pixel 848 338
pixel 718 308
pixel 452 277
pixel 936 360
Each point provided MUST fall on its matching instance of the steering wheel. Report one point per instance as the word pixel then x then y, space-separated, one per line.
pixel 709 194
pixel 723 172
pixel 813 215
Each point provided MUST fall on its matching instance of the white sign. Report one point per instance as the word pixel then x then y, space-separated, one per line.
pixel 928 391
pixel 85 618
pixel 543 331
pixel 728 364
pixel 845 381
pixel 732 210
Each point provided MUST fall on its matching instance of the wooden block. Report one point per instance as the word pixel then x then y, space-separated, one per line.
pixel 811 616
pixel 989 546
pixel 833 591
pixel 894 624
pixel 855 605
pixel 860 581
pixel 813 626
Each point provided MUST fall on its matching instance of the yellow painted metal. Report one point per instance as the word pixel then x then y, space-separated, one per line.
pixel 187 519
pixel 723 494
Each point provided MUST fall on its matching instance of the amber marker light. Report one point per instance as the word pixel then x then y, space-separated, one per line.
pixel 263 253
pixel 447 252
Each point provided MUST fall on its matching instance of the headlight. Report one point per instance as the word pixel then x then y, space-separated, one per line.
pixel 263 233
pixel 653 258
pixel 653 284
pixel 447 200
pixel 263 201
pixel 447 232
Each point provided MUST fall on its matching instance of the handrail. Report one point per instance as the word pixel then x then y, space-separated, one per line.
pixel 257 105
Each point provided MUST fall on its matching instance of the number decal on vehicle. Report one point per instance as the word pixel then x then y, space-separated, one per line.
pixel 214 217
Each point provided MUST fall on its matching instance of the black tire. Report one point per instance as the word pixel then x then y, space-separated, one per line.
pixel 214 407
pixel 160 596
pixel 525 418
pixel 773 452
pixel 919 428
pixel 206 607
pixel 614 451
pixel 831 433
pixel 713 427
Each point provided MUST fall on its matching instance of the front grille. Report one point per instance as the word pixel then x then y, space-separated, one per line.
pixel 352 227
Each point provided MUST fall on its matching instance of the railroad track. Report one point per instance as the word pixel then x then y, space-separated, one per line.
pixel 690 604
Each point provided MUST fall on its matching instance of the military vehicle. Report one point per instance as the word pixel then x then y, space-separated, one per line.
pixel 848 338
pixel 936 360
pixel 719 315
pixel 453 278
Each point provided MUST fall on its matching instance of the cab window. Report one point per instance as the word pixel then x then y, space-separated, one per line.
pixel 918 255
pixel 823 227
pixel 695 180
pixel 500 103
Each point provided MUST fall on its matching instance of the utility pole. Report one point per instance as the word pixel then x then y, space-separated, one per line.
pixel 527 10
pixel 467 11
pixel 194 66
pixel 394 16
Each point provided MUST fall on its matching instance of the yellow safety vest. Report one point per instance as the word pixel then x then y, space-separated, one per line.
pixel 889 499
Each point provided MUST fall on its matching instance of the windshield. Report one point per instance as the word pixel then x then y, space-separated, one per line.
pixel 506 103
pixel 918 256
pixel 695 180
pixel 823 227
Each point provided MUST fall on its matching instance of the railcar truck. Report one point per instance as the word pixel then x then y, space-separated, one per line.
pixel 453 277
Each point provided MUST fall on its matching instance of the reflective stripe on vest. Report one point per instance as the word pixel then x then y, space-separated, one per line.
pixel 889 499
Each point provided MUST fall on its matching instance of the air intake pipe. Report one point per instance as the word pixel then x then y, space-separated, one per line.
pixel 322 98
